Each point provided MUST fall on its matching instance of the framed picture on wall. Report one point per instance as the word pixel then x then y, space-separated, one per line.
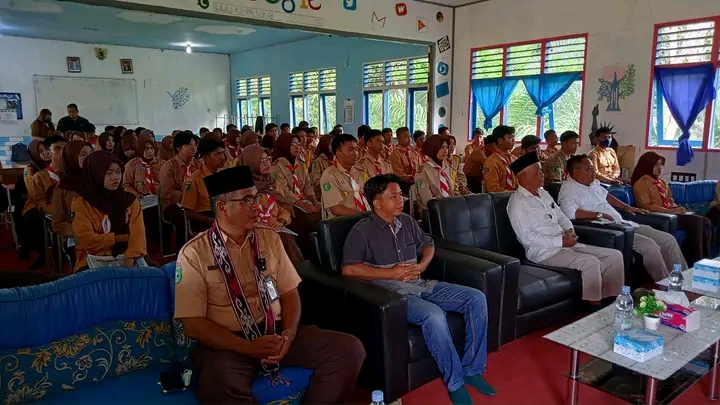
pixel 73 64
pixel 126 66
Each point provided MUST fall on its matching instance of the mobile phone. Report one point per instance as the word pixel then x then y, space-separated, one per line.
pixel 171 382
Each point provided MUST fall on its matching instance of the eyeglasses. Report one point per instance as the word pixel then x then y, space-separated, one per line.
pixel 248 201
pixel 266 160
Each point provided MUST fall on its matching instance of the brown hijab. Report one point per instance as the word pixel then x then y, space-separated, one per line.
pixel 112 202
pixel 249 138
pixel 167 151
pixel 283 146
pixel 128 142
pixel 232 136
pixel 251 156
pixel 323 147
pixel 71 170
pixel 432 146
pixel 645 166
pixel 34 154
pixel 102 140
pixel 141 145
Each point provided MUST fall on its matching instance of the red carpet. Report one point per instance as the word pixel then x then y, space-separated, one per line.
pixel 527 371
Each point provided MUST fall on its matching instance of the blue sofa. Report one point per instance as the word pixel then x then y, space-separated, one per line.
pixel 102 337
pixel 695 196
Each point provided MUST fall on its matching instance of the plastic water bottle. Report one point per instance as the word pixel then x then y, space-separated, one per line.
pixel 378 398
pixel 675 279
pixel 623 311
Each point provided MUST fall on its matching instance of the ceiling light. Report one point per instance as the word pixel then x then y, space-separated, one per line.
pixel 188 49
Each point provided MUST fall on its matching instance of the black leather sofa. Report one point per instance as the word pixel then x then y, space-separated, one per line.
pixel 398 360
pixel 535 296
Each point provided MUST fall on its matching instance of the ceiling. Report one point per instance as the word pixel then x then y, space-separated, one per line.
pixel 65 21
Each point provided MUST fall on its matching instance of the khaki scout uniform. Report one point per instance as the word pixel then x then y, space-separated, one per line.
pixel 496 172
pixel 287 195
pixel 172 179
pixel 370 166
pixel 195 196
pixel 607 165
pixel 554 167
pixel 427 182
pixel 135 176
pixel 200 290
pixel 337 188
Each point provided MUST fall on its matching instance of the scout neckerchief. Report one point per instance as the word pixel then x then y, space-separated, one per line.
pixel 444 180
pixel 54 178
pixel 296 182
pixel 265 214
pixel 238 300
pixel 508 172
pixel 152 186
pixel 358 198
pixel 408 151
pixel 376 163
pixel 663 193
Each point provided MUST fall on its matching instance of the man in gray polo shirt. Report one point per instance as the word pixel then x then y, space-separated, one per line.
pixel 389 249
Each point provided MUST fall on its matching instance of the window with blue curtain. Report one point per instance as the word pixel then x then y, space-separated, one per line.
pixel 253 100
pixel 313 98
pixel 680 45
pixel 395 93
pixel 515 65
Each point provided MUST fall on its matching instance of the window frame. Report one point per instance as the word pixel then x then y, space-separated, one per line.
pixel 539 123
pixel 322 95
pixel 262 94
pixel 408 87
pixel 704 145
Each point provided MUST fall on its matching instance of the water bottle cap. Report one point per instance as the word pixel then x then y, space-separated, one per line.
pixel 677 267
pixel 377 396
pixel 625 289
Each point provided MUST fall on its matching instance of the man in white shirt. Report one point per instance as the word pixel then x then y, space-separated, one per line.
pixel 549 238
pixel 582 197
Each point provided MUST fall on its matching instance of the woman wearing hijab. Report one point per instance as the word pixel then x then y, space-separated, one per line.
pixel 323 158
pixel 453 162
pixel 126 149
pixel 143 171
pixel 106 142
pixel 107 220
pixel 270 213
pixel 73 157
pixel 39 160
pixel 166 151
pixel 435 180
pixel 295 190
pixel 249 138
pixel 268 142
pixel 653 194
pixel 43 126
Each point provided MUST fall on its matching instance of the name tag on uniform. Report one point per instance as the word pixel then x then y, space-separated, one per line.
pixel 106 224
pixel 213 268
pixel 271 289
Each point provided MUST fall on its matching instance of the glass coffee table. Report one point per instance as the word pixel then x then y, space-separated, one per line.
pixel 685 359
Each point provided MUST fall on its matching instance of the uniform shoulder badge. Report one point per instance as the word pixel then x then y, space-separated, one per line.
pixel 188 185
pixel 327 187
pixel 420 184
pixel 178 274
pixel 487 169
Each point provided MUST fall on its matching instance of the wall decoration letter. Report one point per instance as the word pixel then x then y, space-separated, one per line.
pixel 617 82
pixel 401 9
pixel 374 19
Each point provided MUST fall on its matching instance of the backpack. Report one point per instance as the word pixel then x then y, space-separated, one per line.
pixel 19 153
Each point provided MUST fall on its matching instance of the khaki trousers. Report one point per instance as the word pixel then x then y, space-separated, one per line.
pixel 602 269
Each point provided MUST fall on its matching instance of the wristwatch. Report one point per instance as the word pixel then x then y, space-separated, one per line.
pixel 599 215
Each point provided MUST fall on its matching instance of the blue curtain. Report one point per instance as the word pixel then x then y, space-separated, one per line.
pixel 687 91
pixel 547 88
pixel 491 95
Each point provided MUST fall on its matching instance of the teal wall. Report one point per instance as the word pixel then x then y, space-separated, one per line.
pixel 346 55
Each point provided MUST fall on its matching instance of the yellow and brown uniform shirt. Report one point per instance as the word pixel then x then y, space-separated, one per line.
pixel 372 167
pixel 607 165
pixel 497 176
pixel 554 168
pixel 91 238
pixel 172 179
pixel 135 179
pixel 427 182
pixel 547 152
pixel 200 290
pixel 319 165
pixel 61 212
pixel 337 188
pixel 38 191
pixel 288 192
pixel 648 197
pixel 403 161
pixel 195 196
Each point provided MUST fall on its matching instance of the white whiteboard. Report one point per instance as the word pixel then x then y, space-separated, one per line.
pixel 100 101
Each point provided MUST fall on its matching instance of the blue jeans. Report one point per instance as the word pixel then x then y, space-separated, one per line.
pixel 428 311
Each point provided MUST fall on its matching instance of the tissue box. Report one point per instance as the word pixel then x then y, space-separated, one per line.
pixel 680 317
pixel 706 284
pixel 638 344
pixel 710 266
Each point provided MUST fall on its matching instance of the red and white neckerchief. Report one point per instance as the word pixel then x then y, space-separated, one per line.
pixel 444 180
pixel 296 183
pixel 508 172
pixel 663 193
pixel 411 161
pixel 189 169
pixel 358 197
pixel 376 163
pixel 265 214
pixel 152 186
pixel 54 178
